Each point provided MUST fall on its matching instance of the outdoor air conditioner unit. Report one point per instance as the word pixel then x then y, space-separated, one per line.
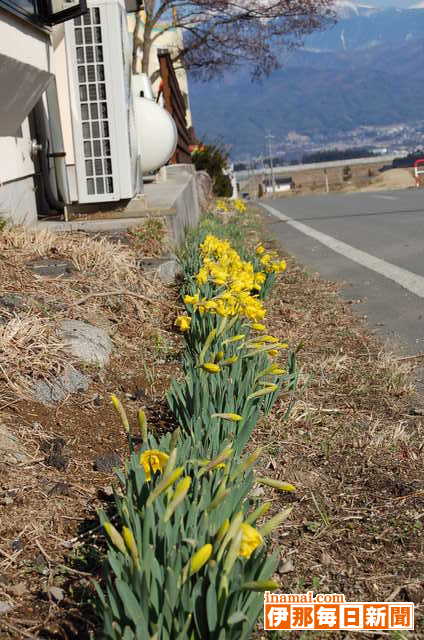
pixel 107 162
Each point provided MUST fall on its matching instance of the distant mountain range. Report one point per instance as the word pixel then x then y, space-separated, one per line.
pixel 367 70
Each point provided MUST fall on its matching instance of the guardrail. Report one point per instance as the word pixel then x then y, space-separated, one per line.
pixel 243 175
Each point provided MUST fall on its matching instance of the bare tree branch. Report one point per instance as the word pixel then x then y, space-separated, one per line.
pixel 220 34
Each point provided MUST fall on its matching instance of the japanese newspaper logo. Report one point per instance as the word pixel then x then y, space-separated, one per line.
pixel 331 612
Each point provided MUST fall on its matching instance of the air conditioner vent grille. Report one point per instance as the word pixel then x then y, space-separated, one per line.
pixel 93 99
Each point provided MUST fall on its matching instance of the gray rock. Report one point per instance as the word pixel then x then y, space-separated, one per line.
pixel 90 344
pixel 107 462
pixel 17 544
pixel 12 301
pixel 58 454
pixel 55 391
pixel 204 189
pixel 52 268
pixel 169 271
pixel 10 450
pixel 5 607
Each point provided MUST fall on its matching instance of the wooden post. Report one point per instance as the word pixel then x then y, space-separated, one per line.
pixel 327 186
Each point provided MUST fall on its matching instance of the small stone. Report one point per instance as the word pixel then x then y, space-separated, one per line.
pixel 5 607
pixel 18 589
pixel 56 593
pixel 9 447
pixel 257 491
pixel 59 489
pixel 40 564
pixel 90 344
pixel 17 544
pixel 12 301
pixel 414 593
pixel 286 566
pixel 106 492
pixel 58 461
pixel 169 271
pixel 416 411
pixel 58 456
pixel 107 462
pixel 51 268
pixel 59 388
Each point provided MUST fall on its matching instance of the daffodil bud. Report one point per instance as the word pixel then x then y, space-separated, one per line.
pixel 219 459
pixel 230 360
pixel 275 521
pixel 233 552
pixel 219 498
pixel 200 558
pixel 180 493
pixel 211 367
pixel 131 545
pixel 245 464
pixel 260 585
pixel 163 485
pixel 232 417
pixel 120 411
pixel 222 530
pixel 258 513
pixel 276 484
pixel 263 392
pixel 237 338
pixel 142 423
pixel 115 537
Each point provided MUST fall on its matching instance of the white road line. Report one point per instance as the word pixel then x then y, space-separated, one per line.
pixel 406 279
pixel 385 197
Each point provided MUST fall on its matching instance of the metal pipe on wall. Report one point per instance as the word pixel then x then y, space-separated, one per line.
pixel 57 145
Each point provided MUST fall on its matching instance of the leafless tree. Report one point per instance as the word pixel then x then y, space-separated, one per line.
pixel 221 34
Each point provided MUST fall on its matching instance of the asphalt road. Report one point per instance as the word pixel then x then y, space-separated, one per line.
pixel 373 243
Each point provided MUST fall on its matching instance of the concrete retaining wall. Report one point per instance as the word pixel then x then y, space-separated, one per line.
pixel 174 196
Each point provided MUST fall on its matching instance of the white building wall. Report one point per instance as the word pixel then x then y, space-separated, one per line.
pixel 21 44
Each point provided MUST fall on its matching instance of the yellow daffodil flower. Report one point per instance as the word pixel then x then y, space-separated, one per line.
pixel 191 299
pixel 251 539
pixel 183 323
pixel 153 460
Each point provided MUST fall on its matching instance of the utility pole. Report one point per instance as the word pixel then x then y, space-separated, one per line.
pixel 270 137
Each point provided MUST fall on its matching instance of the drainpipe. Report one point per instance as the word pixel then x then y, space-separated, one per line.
pixel 57 146
pixel 50 198
pixel 48 133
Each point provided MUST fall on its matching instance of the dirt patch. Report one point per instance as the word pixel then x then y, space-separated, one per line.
pixel 50 492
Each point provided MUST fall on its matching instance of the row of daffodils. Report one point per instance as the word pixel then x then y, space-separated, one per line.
pixel 187 555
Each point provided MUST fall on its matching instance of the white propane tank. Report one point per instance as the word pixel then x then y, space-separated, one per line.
pixel 156 132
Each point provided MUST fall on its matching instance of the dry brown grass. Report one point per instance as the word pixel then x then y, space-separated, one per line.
pixel 29 346
pixel 353 448
pixel 41 505
pixel 112 262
